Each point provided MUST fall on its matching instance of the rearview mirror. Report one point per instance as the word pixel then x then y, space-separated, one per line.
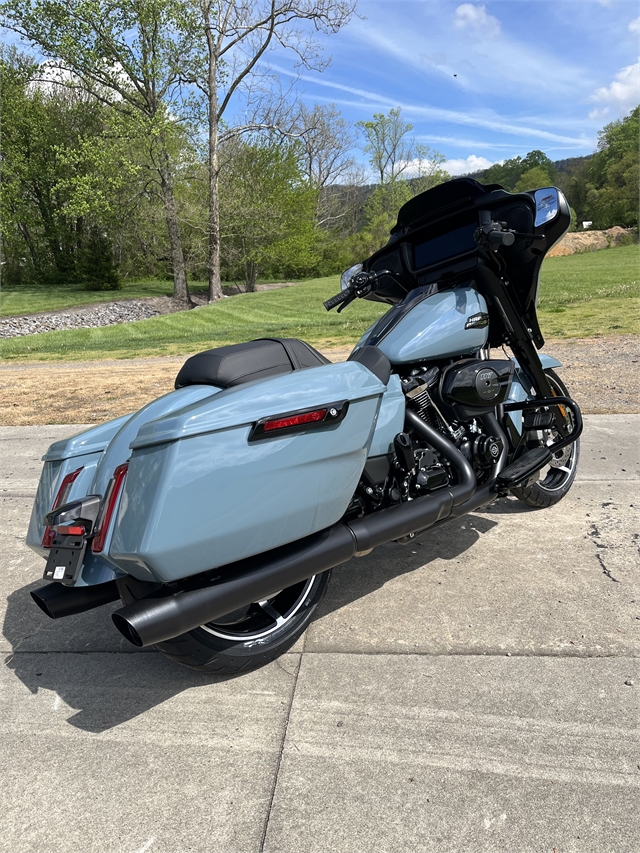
pixel 547 205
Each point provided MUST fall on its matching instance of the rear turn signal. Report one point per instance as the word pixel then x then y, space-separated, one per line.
pixel 110 499
pixel 61 498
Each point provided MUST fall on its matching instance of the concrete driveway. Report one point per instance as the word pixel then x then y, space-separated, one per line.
pixel 475 691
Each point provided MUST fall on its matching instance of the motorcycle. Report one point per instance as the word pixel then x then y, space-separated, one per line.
pixel 216 513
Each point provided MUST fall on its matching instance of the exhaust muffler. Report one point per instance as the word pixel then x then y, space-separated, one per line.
pixel 57 600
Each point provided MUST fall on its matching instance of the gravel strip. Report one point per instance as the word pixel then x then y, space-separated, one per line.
pixel 105 314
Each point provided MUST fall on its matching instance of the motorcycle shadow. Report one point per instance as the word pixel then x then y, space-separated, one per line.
pixel 507 506
pixel 364 575
pixel 81 662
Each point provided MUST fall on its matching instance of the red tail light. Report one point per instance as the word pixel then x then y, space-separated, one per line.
pixel 291 422
pixel 295 420
pixel 73 530
pixel 61 498
pixel 110 500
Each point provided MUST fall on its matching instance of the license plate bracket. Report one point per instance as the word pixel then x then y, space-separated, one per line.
pixel 65 559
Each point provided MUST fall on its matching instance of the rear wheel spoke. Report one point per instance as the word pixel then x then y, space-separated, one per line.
pixel 270 610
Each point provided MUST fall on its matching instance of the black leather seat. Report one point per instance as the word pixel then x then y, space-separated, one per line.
pixel 232 365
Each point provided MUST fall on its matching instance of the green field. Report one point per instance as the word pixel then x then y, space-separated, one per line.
pixel 591 294
pixel 583 295
pixel 27 299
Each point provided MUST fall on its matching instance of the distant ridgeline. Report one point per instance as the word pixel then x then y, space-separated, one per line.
pixel 570 166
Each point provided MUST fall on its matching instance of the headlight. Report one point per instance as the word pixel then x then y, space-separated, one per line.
pixel 346 276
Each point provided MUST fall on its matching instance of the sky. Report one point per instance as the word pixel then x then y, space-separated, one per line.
pixel 481 82
pixel 484 82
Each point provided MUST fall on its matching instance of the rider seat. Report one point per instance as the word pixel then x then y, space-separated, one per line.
pixel 236 364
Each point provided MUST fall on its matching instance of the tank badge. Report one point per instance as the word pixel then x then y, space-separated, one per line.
pixel 477 321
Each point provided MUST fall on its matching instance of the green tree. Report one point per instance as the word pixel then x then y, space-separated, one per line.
pixel 235 36
pixel 532 179
pixel 392 155
pixel 614 173
pixel 267 210
pixel 61 174
pixel 390 150
pixel 510 173
pixel 128 55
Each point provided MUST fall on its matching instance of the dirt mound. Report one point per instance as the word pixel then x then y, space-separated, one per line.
pixel 590 241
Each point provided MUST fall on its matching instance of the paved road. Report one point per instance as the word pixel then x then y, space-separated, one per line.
pixel 476 691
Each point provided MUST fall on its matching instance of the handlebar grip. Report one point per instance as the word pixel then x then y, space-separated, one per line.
pixel 337 299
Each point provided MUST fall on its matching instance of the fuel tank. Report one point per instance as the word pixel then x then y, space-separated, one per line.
pixel 424 327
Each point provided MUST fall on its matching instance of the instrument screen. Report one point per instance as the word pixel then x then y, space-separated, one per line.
pixel 447 245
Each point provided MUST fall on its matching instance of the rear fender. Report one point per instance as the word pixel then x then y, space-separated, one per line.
pixel 96 452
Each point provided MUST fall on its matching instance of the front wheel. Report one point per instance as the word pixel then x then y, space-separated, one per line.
pixel 557 477
pixel 247 638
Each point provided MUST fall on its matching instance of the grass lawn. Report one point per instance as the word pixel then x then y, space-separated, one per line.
pixel 591 294
pixel 581 295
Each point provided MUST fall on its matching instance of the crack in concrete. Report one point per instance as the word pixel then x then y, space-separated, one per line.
pixel 263 840
pixel 605 570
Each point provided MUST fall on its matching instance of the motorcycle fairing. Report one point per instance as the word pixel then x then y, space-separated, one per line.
pixel 198 494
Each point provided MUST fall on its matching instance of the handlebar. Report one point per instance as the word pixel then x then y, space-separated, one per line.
pixel 360 285
pixel 343 296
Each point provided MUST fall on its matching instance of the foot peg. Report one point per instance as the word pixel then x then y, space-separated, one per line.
pixel 524 467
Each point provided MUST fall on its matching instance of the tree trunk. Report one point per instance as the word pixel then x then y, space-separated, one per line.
pixel 250 276
pixel 215 284
pixel 23 228
pixel 179 268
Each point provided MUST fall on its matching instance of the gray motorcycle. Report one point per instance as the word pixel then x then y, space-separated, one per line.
pixel 216 513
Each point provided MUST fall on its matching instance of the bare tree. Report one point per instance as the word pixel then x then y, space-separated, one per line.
pixel 386 143
pixel 238 35
pixel 128 55
pixel 326 143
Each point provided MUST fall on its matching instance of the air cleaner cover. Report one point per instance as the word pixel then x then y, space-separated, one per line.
pixel 476 383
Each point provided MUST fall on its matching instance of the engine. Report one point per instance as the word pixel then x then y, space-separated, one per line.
pixel 451 399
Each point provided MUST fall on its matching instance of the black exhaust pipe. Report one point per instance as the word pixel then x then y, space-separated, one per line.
pixel 58 600
pixel 157 618
pixel 152 620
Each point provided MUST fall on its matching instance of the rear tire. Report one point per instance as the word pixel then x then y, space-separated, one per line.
pixel 557 478
pixel 248 638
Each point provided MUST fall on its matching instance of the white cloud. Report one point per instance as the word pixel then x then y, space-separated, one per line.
pixel 621 96
pixel 459 166
pixel 477 20
pixel 634 26
pixel 486 119
pixel 472 163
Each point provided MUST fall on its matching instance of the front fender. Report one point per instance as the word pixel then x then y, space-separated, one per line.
pixel 518 392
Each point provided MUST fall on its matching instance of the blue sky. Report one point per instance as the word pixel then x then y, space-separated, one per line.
pixel 546 74
pixel 482 82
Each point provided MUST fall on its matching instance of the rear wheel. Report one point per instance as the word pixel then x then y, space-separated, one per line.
pixel 247 638
pixel 556 478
